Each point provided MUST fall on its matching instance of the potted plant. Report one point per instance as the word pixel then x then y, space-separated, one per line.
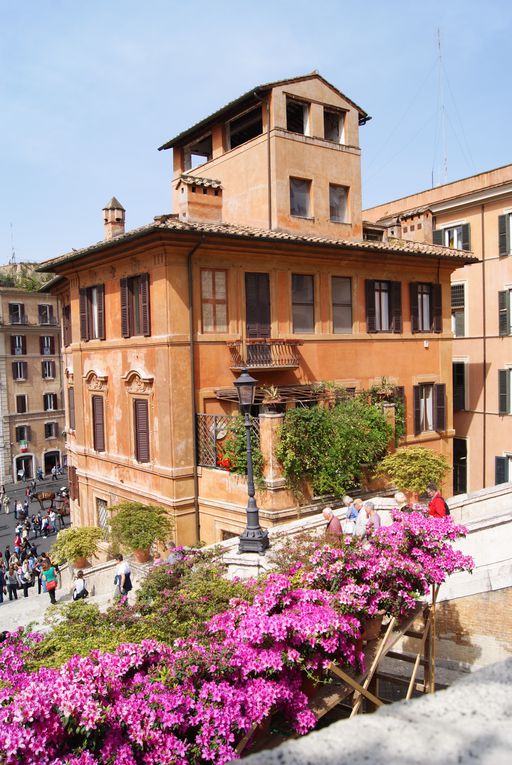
pixel 76 545
pixel 137 526
pixel 271 397
pixel 411 468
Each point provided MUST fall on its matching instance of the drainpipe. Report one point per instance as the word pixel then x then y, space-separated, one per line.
pixel 193 380
pixel 484 352
pixel 269 166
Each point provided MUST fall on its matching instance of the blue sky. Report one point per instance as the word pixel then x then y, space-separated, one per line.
pixel 89 90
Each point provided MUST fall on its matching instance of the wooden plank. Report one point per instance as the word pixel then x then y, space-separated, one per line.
pixel 375 664
pixel 355 685
pixel 328 697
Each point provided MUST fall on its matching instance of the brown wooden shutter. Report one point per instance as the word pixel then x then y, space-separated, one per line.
pixel 504 312
pixel 371 317
pixel 141 421
pixel 71 406
pixel 437 236
pixel 66 324
pixel 501 470
pixel 466 237
pixel 98 423
pixel 24 370
pixel 23 345
pixel 41 345
pixel 14 370
pixel 84 301
pixel 395 295
pixel 413 299
pixel 53 369
pixel 29 433
pixel 144 293
pixel 257 304
pixel 417 409
pixel 13 345
pixel 440 407
pixel 437 308
pixel 52 345
pixel 125 317
pixel 101 311
pixel 55 400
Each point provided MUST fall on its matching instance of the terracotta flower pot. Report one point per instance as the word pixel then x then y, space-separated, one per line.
pixel 141 555
pixel 80 563
pixel 372 627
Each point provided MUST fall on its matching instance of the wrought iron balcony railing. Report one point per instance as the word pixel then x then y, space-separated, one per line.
pixel 265 353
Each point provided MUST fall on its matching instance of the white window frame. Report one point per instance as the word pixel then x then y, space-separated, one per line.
pixel 21 312
pixel 48 310
pixel 341 124
pixel 54 429
pixel 427 407
pixel 23 377
pixel 49 408
pixel 51 365
pixel 452 317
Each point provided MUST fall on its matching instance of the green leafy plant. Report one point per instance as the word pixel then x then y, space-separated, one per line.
pixel 331 446
pixel 136 526
pixel 72 544
pixel 234 449
pixel 412 468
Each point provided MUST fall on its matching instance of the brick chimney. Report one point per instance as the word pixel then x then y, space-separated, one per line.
pixel 200 199
pixel 113 219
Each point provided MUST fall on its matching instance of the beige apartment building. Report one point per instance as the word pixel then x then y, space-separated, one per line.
pixel 471 214
pixel 31 405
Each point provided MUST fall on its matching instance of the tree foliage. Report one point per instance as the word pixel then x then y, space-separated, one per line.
pixel 137 526
pixel 75 543
pixel 330 447
pixel 234 450
pixel 412 468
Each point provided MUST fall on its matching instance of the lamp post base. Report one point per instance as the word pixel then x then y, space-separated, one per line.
pixel 253 541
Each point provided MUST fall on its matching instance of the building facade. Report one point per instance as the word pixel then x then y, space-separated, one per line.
pixel 472 214
pixel 159 321
pixel 32 409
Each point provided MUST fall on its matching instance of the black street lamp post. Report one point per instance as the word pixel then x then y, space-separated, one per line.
pixel 253 538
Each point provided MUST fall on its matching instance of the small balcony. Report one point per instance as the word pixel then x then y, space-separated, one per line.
pixel 264 353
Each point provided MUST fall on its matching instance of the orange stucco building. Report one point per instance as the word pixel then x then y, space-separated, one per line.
pixel 472 214
pixel 262 264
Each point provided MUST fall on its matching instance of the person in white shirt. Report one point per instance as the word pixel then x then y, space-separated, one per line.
pixel 361 522
pixel 122 579
pixel 79 588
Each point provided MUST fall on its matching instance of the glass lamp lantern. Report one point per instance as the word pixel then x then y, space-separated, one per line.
pixel 246 390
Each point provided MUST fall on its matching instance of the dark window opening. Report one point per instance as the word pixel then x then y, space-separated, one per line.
pixel 300 193
pixel 297 116
pixel 198 153
pixel 459 386
pixel 21 404
pixel 333 125
pixel 246 127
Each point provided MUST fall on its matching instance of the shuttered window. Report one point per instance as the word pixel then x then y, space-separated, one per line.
pixel 504 240
pixel 341 287
pixel 48 370
pixel 17 313
pixel 141 429
pixel 426 307
pixel 19 370
pixel 47 345
pixel 45 312
pixel 214 305
pixel 71 408
pixel 23 433
pixel 66 325
pixel 135 312
pixel 92 313
pixel 459 386
pixel 21 404
pixel 50 430
pixel 504 317
pixel 18 345
pixel 303 303
pixel 383 306
pixel 457 237
pixel 98 424
pixel 458 310
pixel 504 391
pixel 50 402
pixel 429 407
pixel 502 470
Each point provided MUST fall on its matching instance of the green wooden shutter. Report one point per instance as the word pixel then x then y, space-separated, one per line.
pixel 466 238
pixel 413 299
pixel 504 391
pixel 501 470
pixel 437 236
pixel 503 234
pixel 504 312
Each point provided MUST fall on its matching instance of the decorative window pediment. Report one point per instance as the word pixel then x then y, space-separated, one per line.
pixel 137 383
pixel 95 381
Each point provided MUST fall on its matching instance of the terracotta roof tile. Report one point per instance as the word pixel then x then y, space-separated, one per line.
pixel 196 180
pixel 171 223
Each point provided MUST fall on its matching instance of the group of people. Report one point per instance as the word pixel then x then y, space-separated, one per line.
pixel 362 519
pixel 22 570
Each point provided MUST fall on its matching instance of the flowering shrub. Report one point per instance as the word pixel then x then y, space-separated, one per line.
pixel 194 701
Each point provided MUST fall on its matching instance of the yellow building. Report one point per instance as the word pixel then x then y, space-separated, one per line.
pixel 32 408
